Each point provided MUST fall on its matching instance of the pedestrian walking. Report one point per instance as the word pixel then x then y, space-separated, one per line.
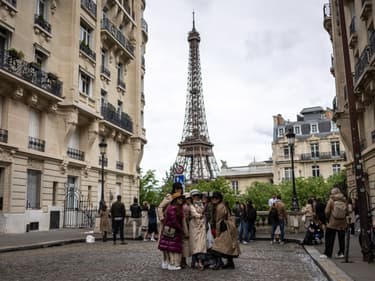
pixel 336 211
pixel 176 188
pixel 105 226
pixel 320 212
pixel 272 200
pixel 251 220
pixel 172 233
pixel 144 220
pixel 243 228
pixel 280 221
pixel 118 214
pixel 152 228
pixel 197 230
pixel 225 233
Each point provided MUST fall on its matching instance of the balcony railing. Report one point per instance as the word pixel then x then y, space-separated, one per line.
pixel 362 63
pixel 321 156
pixel 30 73
pixel 75 154
pixel 37 144
pixel 89 6
pixel 105 71
pixel 122 120
pixel 117 34
pixel 39 20
pixel 120 165
pixel 105 162
pixel 144 25
pixel 12 2
pixel 87 50
pixel 121 84
pixel 3 135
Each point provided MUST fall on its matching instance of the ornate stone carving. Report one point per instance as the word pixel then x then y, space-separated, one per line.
pixel 6 156
pixel 18 93
pixel 33 100
pixel 93 132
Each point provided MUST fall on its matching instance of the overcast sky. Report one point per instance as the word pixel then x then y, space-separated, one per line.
pixel 258 59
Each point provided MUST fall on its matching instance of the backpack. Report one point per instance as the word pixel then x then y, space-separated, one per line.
pixel 339 210
pixel 273 216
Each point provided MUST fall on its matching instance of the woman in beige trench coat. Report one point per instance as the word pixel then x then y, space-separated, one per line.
pixel 225 233
pixel 197 230
pixel 105 225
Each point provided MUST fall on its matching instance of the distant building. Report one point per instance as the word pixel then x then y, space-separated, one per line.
pixel 242 177
pixel 318 147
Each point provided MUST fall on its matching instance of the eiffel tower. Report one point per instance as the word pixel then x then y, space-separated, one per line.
pixel 195 149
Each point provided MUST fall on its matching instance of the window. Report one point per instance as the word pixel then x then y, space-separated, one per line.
pixel 74 139
pixel 314 128
pixel 2 184
pixel 119 108
pixel 34 123
pixel 40 59
pixel 85 36
pixel 33 189
pixel 297 130
pixel 335 148
pixel 281 132
pixel 120 73
pixel 334 127
pixel 104 58
pixel 41 8
pixel 287 173
pixel 72 195
pixel 336 168
pixel 54 193
pixel 315 171
pixel 314 150
pixel 118 189
pixel 118 151
pixel 85 84
pixel 4 39
pixel 286 149
pixel 235 186
pixel 103 98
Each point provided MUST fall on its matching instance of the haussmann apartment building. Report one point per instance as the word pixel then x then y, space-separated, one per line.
pixel 71 77
pixel 360 41
pixel 318 149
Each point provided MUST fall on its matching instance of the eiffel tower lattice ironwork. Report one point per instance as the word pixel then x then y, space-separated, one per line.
pixel 195 152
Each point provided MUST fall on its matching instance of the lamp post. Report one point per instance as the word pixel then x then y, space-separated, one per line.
pixel 291 139
pixel 102 148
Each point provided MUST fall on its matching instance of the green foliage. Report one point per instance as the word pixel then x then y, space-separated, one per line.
pixel 149 190
pixel 312 187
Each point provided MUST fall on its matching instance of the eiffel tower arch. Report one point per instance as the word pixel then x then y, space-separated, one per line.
pixel 195 152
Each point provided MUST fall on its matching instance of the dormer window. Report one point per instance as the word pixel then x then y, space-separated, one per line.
pixel 314 128
pixel 280 132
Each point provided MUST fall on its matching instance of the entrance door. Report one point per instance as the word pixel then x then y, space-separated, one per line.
pixel 71 202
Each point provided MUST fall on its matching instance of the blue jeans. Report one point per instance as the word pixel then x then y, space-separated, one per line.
pixel 252 230
pixel 243 231
pixel 281 224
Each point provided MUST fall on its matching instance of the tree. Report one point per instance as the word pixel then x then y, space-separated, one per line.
pixel 259 193
pixel 149 190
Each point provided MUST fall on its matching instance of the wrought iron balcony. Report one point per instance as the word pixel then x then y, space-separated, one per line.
pixel 366 9
pixel 321 156
pixel 89 6
pixel 121 84
pixel 84 47
pixel 363 62
pixel 120 165
pixel 76 154
pixel 105 162
pixel 30 72
pixel 108 26
pixel 3 135
pixel 39 20
pixel 105 71
pixel 12 2
pixel 144 25
pixel 122 120
pixel 37 144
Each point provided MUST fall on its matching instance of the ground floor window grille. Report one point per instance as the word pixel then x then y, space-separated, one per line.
pixel 33 189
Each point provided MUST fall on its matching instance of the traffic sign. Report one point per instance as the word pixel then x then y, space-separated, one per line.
pixel 179 169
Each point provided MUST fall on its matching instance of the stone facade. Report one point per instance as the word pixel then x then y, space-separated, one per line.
pixel 318 149
pixel 71 75
pixel 359 20
pixel 242 177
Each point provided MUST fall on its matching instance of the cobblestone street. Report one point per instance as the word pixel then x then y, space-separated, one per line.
pixel 141 261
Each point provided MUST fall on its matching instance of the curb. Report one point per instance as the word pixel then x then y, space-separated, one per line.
pixel 40 245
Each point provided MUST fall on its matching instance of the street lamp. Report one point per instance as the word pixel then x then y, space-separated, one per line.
pixel 291 139
pixel 102 148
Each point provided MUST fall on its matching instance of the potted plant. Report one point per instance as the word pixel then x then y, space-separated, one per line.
pixel 15 54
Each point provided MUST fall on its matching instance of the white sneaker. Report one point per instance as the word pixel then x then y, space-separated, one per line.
pixel 173 267
pixel 145 240
pixel 244 242
pixel 164 265
pixel 323 256
pixel 341 256
pixel 273 242
pixel 153 239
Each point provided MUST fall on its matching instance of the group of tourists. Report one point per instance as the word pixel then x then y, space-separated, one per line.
pixel 197 225
pixel 245 215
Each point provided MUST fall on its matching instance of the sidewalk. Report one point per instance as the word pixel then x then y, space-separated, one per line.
pixel 336 269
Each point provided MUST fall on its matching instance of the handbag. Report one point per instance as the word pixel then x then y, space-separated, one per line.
pixel 169 232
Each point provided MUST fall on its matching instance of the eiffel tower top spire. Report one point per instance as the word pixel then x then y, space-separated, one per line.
pixel 195 149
